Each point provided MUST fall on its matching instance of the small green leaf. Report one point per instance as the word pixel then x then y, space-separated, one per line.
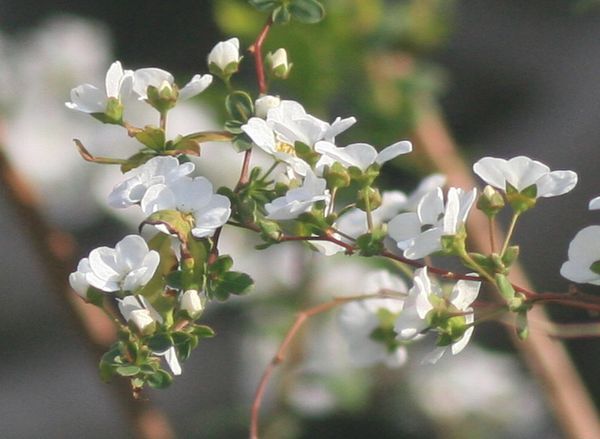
pixel 221 265
pixel 510 255
pixel 307 11
pixel 128 370
pixel 160 342
pixel 153 137
pixel 241 143
pixel 522 325
pixel 233 282
pixel 239 105
pixel 264 5
pixel 160 379
pixel 202 331
pixel 281 15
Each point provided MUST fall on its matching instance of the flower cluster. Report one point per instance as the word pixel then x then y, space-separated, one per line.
pixel 314 191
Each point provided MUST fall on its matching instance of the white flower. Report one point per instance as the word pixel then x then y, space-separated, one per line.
pixel 127 267
pixel 299 200
pixel 89 99
pixel 143 315
pixel 419 233
pixel 522 172
pixel 361 155
pixel 157 170
pixel 161 79
pixel 423 297
pixel 359 319
pixel 584 251
pixel 287 124
pixel 263 104
pixel 278 63
pixel 190 196
pixel 225 56
pixel 594 204
pixel 191 302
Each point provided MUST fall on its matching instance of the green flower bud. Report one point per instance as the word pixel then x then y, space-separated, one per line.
pixel 490 201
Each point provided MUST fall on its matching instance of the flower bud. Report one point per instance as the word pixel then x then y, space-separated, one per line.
pixel 374 198
pixel 224 58
pixel 277 63
pixel 263 104
pixel 490 202
pixel 143 321
pixel 191 303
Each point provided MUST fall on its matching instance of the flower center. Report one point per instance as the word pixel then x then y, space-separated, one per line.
pixel 285 148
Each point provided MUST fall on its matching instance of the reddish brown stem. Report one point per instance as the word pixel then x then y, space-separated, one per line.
pixel 256 50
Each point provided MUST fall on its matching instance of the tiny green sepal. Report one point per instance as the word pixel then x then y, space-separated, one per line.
pixel 162 99
pixel 95 297
pixel 522 325
pixel 521 201
pixel 510 255
pixel 202 331
pixel 490 202
pixel 371 244
pixel 595 267
pixel 505 287
pixel 306 153
pixel 374 198
pixel 337 176
pixel 113 113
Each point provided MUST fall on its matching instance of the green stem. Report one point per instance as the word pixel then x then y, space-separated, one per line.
pixel 510 232
pixel 368 210
pixel 468 260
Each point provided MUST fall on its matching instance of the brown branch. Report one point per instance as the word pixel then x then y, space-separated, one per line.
pixel 256 50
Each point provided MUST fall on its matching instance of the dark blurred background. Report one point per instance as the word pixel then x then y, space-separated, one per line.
pixel 511 77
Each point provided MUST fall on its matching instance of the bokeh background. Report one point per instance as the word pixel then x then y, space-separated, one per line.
pixel 510 77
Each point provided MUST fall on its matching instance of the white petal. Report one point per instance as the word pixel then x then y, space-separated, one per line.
pixel 431 207
pixel 130 252
pixel 404 227
pixel 158 197
pixel 197 85
pixel 425 244
pixel 261 134
pixel 464 293
pixel 113 79
pixel 556 183
pixel 451 213
pixel 87 99
pixel 213 215
pixel 393 151
pixel 338 126
pixel 192 195
pixel 594 204
pixel 433 356
pixel 521 172
pixel 143 78
pixel 103 263
pixel 491 170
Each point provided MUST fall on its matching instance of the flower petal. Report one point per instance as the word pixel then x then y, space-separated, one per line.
pixel 556 183
pixel 393 151
pixel 197 85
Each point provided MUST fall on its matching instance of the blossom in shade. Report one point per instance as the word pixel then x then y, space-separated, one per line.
pixel 158 170
pixel 299 200
pixel 521 173
pixel 360 155
pixel 425 298
pixel 88 98
pixel 141 313
pixel 161 79
pixel 127 267
pixel 583 265
pixel 362 320
pixel 419 233
pixel 189 196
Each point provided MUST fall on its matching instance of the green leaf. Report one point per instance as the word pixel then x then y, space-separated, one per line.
pixel 221 265
pixel 202 331
pixel 241 142
pixel 175 280
pixel 160 379
pixel 175 222
pixel 264 5
pixel 307 11
pixel 306 153
pixel 281 15
pixel 183 343
pixel 153 137
pixel 136 160
pixel 160 342
pixel 108 363
pixel 239 105
pixel 128 370
pixel 233 282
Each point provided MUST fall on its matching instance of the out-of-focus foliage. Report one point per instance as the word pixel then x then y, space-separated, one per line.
pixel 365 58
